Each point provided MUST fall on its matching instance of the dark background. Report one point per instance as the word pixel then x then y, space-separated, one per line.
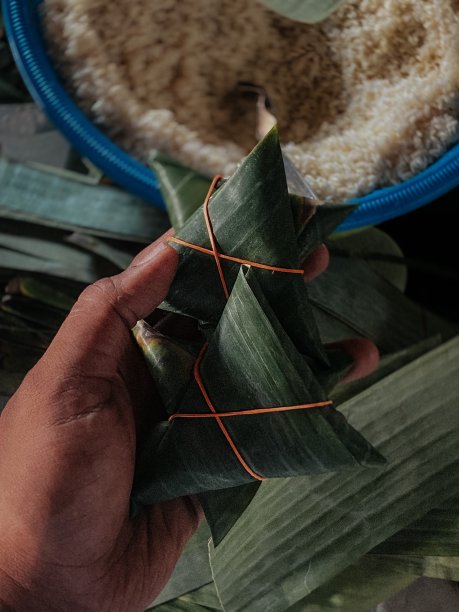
pixel 429 240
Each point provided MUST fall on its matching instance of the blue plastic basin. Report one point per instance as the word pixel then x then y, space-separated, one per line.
pixel 24 35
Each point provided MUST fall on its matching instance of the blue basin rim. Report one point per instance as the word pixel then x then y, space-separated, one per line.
pixel 23 31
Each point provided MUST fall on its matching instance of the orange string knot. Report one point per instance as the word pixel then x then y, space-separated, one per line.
pixel 219 415
pixel 216 254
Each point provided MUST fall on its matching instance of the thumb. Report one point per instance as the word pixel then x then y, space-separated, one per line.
pixel 105 312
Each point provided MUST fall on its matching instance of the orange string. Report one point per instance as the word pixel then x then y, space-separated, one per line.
pixel 218 415
pixel 213 413
pixel 225 432
pixel 255 264
pixel 193 415
pixel 214 251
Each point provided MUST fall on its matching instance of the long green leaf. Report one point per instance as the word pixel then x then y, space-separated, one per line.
pixel 428 547
pixel 115 255
pixel 384 574
pixel 375 242
pixel 359 588
pixel 15 261
pixel 388 364
pixel 436 534
pixel 45 250
pixel 353 300
pixel 312 528
pixel 430 566
pixel 46 199
pixel 183 189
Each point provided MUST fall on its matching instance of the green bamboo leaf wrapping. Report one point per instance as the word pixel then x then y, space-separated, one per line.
pixel 274 374
pixel 393 564
pixel 326 218
pixel 253 221
pixel 370 580
pixel 264 351
pixel 303 209
pixel 338 518
pixel 223 507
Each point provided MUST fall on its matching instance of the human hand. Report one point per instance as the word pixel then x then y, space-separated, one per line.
pixel 68 441
pixel 67 452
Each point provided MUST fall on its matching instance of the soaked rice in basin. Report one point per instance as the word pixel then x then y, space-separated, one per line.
pixel 367 98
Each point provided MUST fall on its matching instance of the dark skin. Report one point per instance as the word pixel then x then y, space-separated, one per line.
pixel 68 441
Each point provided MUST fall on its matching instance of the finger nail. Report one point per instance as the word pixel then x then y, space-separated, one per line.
pixel 153 250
